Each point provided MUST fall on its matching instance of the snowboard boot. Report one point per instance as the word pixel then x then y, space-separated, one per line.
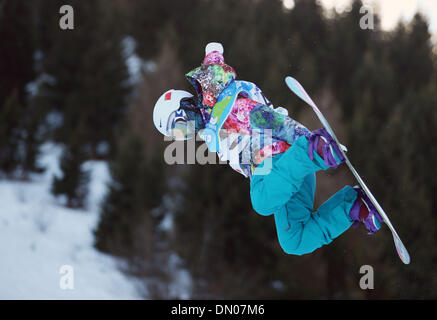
pixel 326 147
pixel 364 211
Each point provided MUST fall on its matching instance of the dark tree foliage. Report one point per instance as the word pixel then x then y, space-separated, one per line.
pixel 17 49
pixel 136 189
pixel 85 82
pixel 73 184
pixel 18 147
pixel 10 126
pixel 216 218
pixel 88 74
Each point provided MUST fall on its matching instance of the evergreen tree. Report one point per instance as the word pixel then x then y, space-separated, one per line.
pixel 89 74
pixel 33 136
pixel 86 82
pixel 346 46
pixel 231 247
pixel 16 71
pixel 159 16
pixel 406 158
pixel 74 181
pixel 391 127
pixel 312 36
pixel 17 49
pixel 10 113
pixel 410 54
pixel 127 212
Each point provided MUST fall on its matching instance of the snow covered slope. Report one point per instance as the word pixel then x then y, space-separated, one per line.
pixel 38 236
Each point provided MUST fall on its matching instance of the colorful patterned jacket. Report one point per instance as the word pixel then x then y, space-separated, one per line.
pixel 238 121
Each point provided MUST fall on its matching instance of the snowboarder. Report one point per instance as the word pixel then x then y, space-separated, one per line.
pixel 227 112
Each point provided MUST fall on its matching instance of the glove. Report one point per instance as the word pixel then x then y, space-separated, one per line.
pixel 213 46
pixel 282 110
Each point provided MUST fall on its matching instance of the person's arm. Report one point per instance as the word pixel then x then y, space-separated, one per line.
pixel 283 127
pixel 211 77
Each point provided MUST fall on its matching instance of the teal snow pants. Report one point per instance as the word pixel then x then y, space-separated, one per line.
pixel 288 193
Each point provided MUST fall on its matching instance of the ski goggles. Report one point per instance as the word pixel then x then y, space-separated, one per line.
pixel 176 121
pixel 179 126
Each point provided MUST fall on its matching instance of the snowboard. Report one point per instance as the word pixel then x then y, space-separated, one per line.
pixel 297 88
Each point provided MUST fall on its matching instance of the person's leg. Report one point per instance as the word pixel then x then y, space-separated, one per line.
pixel 300 232
pixel 298 209
pixel 269 193
pixel 288 192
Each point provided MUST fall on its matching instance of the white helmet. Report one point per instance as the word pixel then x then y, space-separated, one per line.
pixel 165 107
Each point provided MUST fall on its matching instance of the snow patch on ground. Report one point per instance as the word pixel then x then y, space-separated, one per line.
pixel 38 236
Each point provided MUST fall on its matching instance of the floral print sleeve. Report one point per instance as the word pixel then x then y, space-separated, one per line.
pixel 209 80
pixel 283 127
